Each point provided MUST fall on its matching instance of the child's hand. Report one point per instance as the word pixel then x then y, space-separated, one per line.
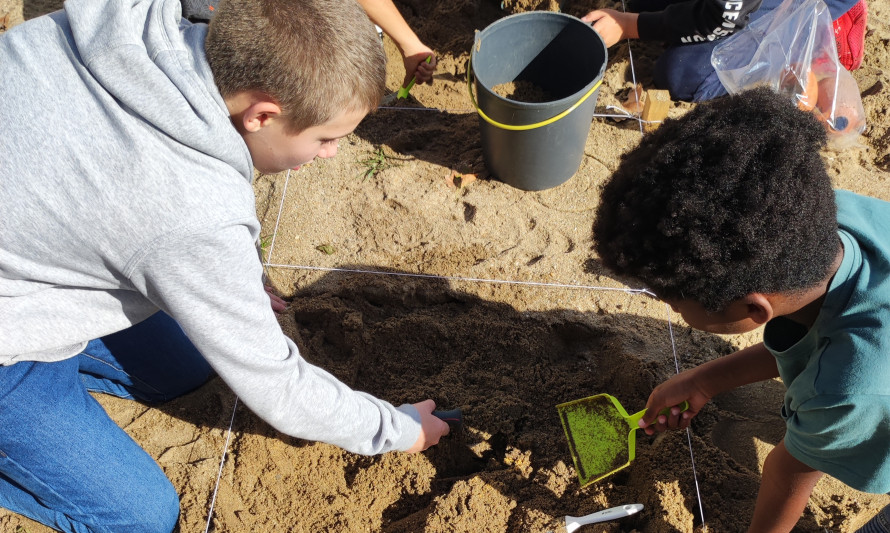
pixel 672 393
pixel 278 305
pixel 432 428
pixel 417 67
pixel 386 16
pixel 613 26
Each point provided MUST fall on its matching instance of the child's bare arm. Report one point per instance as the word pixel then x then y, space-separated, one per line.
pixel 784 490
pixel 700 384
pixel 414 53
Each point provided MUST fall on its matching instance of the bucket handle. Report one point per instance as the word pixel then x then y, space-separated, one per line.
pixel 523 127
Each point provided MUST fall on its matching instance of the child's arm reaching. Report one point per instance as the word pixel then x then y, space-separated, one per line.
pixel 414 53
pixel 785 487
pixel 689 21
pixel 700 384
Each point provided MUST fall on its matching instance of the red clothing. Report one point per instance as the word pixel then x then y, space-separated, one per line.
pixel 849 32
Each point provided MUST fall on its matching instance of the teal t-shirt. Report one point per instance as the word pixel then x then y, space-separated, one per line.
pixel 837 374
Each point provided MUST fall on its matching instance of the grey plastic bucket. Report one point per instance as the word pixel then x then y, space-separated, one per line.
pixel 522 144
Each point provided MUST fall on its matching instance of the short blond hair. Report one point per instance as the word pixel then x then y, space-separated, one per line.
pixel 315 58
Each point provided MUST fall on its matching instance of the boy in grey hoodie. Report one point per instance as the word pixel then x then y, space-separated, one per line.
pixel 128 262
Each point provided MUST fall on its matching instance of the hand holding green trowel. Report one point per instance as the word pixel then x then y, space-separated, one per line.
pixel 423 73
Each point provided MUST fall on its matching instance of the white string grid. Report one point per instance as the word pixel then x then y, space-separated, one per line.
pixel 222 461
pixel 267 263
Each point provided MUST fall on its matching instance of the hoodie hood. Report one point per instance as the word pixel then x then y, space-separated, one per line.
pixel 138 47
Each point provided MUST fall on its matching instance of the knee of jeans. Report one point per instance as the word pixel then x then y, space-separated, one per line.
pixel 157 514
pixel 176 384
pixel 710 88
pixel 687 88
pixel 167 509
pixel 196 376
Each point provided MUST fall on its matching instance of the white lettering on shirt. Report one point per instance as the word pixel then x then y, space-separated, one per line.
pixel 727 27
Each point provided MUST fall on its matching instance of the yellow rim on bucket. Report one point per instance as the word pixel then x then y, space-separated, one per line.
pixel 524 127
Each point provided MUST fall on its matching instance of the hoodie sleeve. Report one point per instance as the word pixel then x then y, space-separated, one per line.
pixel 212 287
pixel 695 21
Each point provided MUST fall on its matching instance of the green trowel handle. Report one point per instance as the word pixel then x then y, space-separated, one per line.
pixel 634 418
pixel 403 92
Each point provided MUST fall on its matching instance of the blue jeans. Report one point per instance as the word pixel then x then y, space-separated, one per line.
pixel 63 461
pixel 880 523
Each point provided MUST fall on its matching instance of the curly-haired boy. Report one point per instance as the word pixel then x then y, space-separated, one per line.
pixel 729 216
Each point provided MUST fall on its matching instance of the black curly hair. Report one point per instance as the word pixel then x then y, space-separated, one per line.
pixel 730 199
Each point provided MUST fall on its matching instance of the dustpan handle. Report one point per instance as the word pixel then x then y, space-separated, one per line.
pixel 635 418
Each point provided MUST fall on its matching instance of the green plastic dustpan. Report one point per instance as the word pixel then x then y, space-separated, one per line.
pixel 601 435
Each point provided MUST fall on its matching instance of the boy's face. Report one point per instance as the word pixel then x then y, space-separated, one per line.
pixel 273 150
pixel 736 318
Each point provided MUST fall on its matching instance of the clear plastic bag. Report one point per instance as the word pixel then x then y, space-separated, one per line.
pixel 792 49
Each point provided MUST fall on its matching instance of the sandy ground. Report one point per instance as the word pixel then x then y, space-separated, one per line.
pixel 505 353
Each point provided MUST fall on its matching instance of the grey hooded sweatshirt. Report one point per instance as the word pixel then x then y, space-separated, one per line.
pixel 124 190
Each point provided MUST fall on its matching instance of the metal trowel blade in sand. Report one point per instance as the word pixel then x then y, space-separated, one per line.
pixel 601 435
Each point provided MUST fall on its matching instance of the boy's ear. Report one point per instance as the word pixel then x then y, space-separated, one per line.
pixel 759 308
pixel 259 114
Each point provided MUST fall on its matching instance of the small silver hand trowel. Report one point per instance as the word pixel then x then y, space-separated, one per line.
pixel 574 522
